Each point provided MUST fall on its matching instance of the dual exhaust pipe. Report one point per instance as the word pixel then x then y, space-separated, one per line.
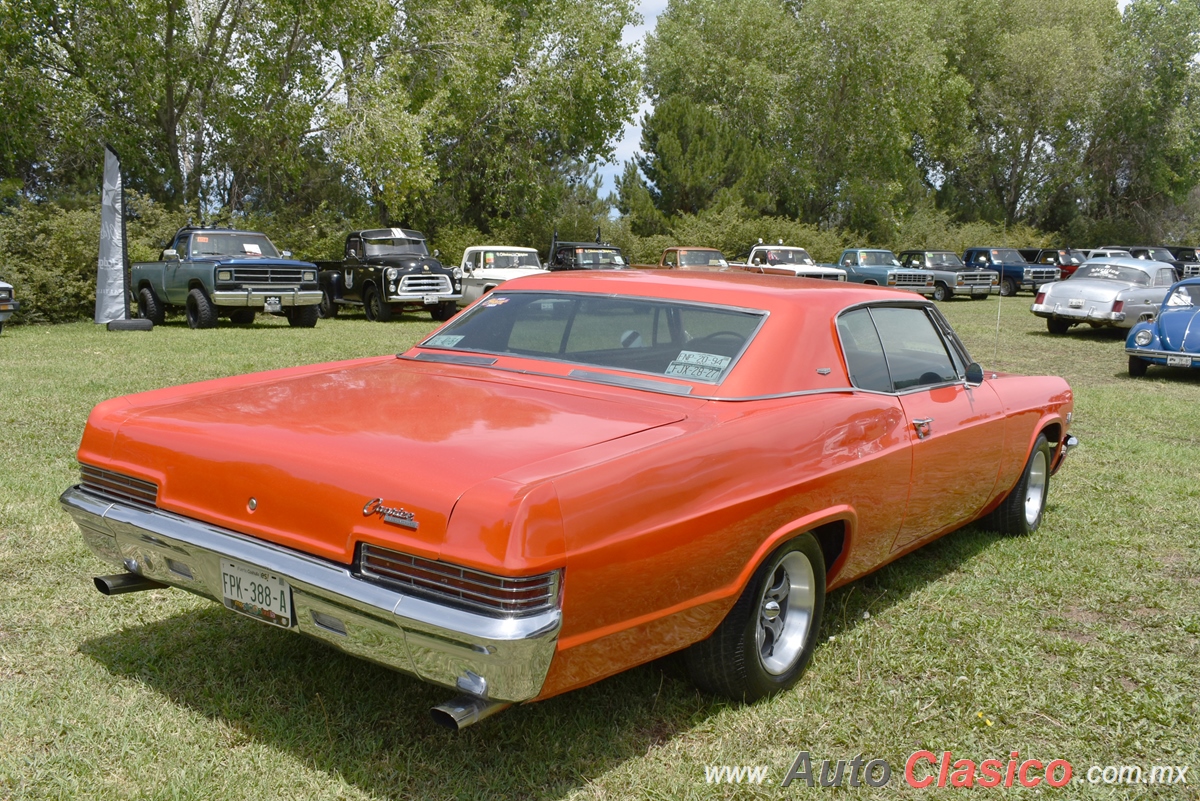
pixel 455 715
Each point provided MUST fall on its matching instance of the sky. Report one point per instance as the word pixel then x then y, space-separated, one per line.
pixel 628 144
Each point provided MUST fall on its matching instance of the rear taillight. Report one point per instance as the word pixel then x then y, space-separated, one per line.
pixel 1118 306
pixel 1040 299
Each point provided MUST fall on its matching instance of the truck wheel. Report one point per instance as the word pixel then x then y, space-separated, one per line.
pixel 303 316
pixel 1008 287
pixel 377 311
pixel 1137 366
pixel 1057 326
pixel 148 306
pixel 942 293
pixel 327 309
pixel 241 316
pixel 443 311
pixel 200 311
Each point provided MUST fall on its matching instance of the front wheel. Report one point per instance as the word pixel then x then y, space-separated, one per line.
pixel 942 293
pixel 1057 326
pixel 376 309
pixel 1021 512
pixel 303 316
pixel 1137 366
pixel 443 311
pixel 200 311
pixel 763 645
pixel 1008 287
pixel 327 309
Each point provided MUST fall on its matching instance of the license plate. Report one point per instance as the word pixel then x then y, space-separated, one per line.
pixel 1179 361
pixel 981 290
pixel 273 304
pixel 431 299
pixel 1076 303
pixel 257 593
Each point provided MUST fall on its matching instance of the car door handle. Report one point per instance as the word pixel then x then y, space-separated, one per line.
pixel 923 426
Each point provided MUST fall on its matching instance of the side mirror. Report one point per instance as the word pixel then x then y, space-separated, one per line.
pixel 287 254
pixel 170 253
pixel 974 374
pixel 757 261
pixel 436 253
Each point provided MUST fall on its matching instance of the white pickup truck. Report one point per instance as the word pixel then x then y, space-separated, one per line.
pixel 484 267
pixel 783 260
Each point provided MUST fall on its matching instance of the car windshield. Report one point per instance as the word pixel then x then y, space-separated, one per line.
pixel 691 341
pixel 1186 254
pixel 1071 257
pixel 1159 254
pixel 945 261
pixel 789 256
pixel 1184 296
pixel 1112 272
pixel 883 257
pixel 1008 255
pixel 396 245
pixel 502 259
pixel 212 243
pixel 598 258
pixel 702 258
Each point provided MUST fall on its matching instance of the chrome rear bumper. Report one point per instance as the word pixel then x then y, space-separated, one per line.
pixel 500 659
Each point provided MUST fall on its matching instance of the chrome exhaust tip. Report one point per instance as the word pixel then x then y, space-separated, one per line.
pixel 460 712
pixel 122 583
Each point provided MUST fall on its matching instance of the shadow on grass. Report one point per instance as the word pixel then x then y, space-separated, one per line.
pixel 370 726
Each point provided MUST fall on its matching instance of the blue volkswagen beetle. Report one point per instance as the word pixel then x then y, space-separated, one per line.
pixel 1171 339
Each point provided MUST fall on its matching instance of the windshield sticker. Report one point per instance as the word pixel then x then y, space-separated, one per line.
pixel 702 366
pixel 444 341
pixel 494 302
pixel 202 239
pixel 250 247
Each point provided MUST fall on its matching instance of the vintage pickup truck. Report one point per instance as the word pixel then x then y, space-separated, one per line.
pixel 223 272
pixel 781 259
pixel 485 267
pixel 385 270
pixel 882 268
pixel 950 276
pixel 1015 273
pixel 584 255
pixel 687 258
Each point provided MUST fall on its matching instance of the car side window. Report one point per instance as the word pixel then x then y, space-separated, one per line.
pixel 916 354
pixel 864 352
pixel 1165 277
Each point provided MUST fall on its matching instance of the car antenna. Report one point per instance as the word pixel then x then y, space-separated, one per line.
pixel 597 235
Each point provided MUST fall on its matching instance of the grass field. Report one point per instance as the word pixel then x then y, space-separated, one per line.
pixel 1080 643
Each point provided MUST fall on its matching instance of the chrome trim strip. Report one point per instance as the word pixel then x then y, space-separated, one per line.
pixel 435 642
pixel 632 381
pixel 1162 354
pixel 258 297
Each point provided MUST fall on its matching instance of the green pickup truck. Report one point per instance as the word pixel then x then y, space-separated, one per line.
pixel 223 272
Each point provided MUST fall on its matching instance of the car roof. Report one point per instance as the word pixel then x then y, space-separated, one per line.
pixel 503 247
pixel 798 309
pixel 188 229
pixel 1145 265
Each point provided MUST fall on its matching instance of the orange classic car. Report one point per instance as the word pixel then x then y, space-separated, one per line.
pixel 580 473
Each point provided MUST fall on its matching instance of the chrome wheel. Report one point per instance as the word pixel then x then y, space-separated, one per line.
pixel 1035 489
pixel 785 613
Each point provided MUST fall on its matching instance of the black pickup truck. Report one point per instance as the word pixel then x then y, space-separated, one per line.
pixel 584 255
pixel 385 270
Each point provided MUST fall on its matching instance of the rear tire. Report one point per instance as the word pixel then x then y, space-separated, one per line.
pixel 377 311
pixel 1020 513
pixel 766 641
pixel 1057 326
pixel 200 311
pixel 148 306
pixel 303 316
pixel 1137 366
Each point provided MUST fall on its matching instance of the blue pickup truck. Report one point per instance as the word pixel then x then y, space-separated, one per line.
pixel 1015 273
pixel 882 268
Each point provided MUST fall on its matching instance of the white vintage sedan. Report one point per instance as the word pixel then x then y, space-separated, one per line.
pixel 1109 291
pixel 7 304
pixel 485 267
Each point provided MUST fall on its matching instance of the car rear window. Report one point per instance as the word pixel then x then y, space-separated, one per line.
pixel 689 341
pixel 1112 272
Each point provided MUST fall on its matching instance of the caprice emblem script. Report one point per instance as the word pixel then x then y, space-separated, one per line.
pixel 390 514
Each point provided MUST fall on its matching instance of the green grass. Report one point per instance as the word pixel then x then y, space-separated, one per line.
pixel 1081 642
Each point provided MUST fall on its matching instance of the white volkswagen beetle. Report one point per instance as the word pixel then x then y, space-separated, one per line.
pixel 1108 291
pixel 484 267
